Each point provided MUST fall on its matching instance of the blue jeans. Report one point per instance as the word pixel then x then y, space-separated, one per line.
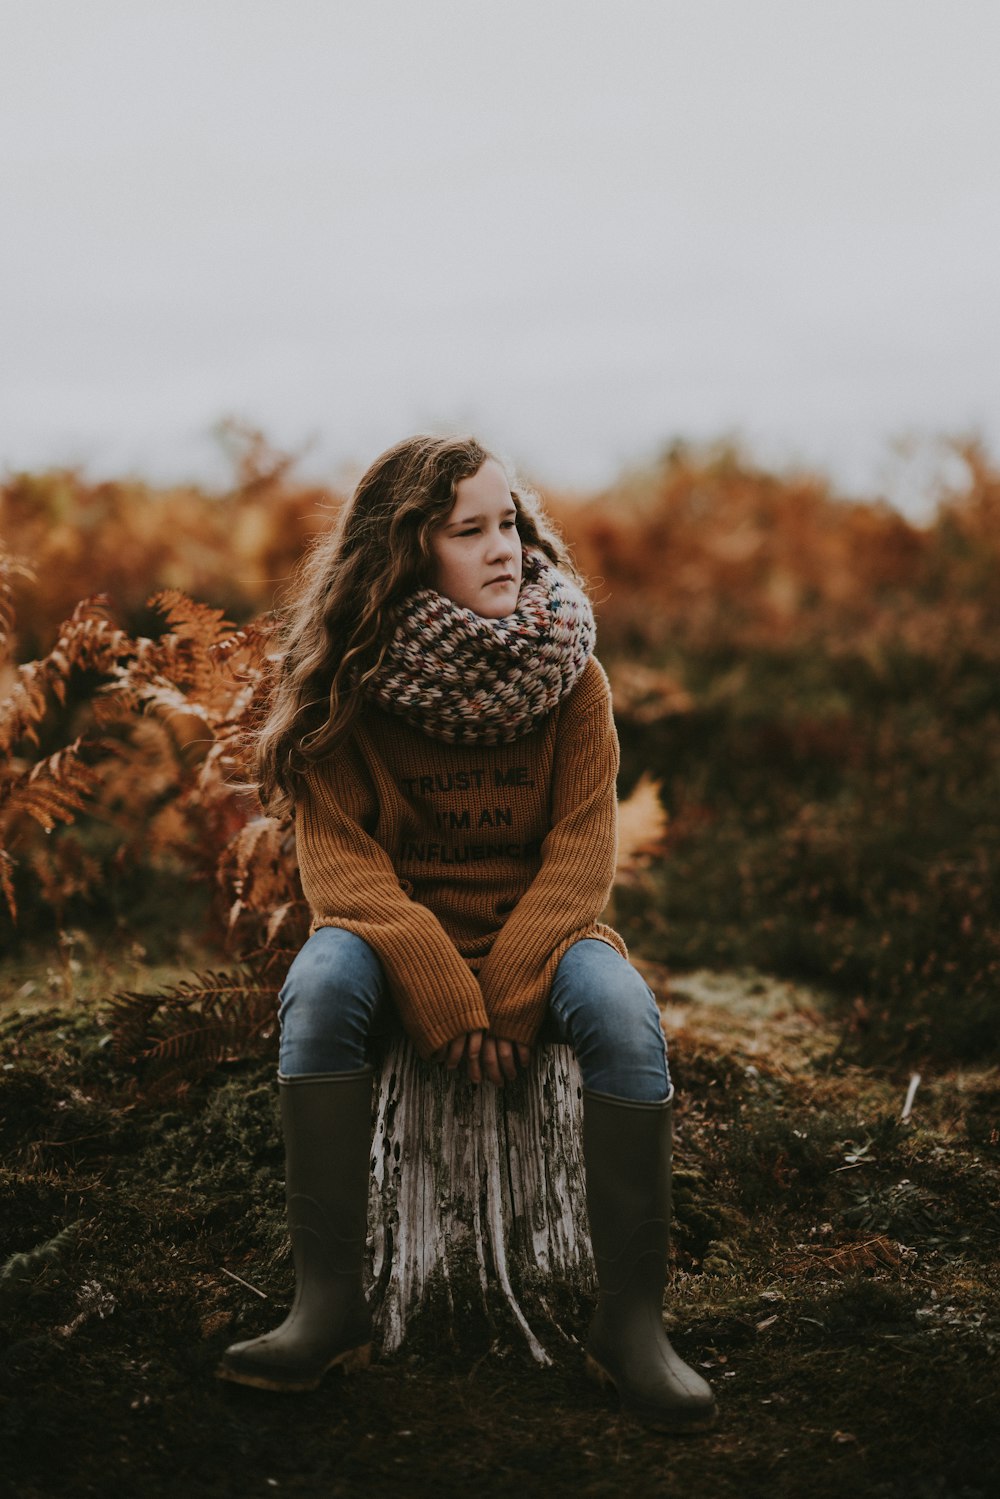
pixel 335 996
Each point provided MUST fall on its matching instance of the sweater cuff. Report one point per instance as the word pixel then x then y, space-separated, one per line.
pixel 427 1040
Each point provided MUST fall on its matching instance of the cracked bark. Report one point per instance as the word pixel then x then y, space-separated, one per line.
pixel 477 1205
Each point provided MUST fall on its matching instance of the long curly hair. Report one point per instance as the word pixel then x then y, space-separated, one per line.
pixel 336 622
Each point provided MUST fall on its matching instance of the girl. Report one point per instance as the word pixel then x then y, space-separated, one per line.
pixel 444 734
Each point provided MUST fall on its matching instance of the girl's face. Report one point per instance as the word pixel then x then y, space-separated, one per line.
pixel 476 552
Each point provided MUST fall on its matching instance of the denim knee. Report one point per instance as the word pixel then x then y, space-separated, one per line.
pixel 328 1003
pixel 606 1011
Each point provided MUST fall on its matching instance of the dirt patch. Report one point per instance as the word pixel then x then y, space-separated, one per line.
pixel 834 1276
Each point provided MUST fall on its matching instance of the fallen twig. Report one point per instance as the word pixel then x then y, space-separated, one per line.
pixel 911 1094
pixel 239 1279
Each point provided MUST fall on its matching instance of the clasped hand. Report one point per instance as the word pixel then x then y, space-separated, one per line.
pixel 484 1055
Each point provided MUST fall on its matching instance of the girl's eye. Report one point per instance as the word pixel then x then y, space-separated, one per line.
pixel 505 525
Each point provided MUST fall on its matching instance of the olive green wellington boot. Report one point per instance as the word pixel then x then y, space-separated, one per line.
pixel 326 1121
pixel 627 1152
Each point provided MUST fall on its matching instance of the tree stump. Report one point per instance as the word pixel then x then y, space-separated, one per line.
pixel 477 1205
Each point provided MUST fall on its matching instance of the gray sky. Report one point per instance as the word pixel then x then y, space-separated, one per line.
pixel 580 229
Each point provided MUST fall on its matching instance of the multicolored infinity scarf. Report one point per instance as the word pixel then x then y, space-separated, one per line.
pixel 468 680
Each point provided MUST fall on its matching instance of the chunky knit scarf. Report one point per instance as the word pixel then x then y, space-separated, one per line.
pixel 468 680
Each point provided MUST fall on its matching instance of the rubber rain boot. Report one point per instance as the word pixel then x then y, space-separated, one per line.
pixel 326 1122
pixel 627 1154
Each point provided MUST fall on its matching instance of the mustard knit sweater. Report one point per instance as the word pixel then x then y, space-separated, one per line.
pixel 468 869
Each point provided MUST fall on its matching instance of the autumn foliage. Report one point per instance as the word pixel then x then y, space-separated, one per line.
pixel 767 643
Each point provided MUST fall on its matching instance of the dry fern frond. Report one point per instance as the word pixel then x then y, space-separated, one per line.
pixel 188 652
pixel 202 668
pixel 24 707
pixel 170 776
pixel 249 643
pixel 58 787
pixel 90 640
pixel 290 918
pixel 53 791
pixel 172 788
pixel 11 569
pixel 258 872
pixel 271 961
pixel 131 1013
pixel 878 1253
pixel 212 1017
pixel 642 829
pixel 7 867
pixel 211 1041
pixel 258 862
pixel 170 702
pixel 87 641
pixel 187 618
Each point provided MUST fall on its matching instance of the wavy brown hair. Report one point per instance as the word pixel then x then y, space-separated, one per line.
pixel 335 628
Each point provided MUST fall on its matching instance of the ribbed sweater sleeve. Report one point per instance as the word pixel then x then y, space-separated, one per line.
pixel 577 870
pixel 349 882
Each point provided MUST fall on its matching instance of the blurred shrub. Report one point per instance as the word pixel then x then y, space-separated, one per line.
pixel 127 540
pixel 705 553
pixel 813 683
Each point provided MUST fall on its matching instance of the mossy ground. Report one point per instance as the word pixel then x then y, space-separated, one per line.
pixel 835 1275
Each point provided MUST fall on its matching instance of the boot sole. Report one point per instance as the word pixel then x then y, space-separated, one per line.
pixel 351 1360
pixel 647 1415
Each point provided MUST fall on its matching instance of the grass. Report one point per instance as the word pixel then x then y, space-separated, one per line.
pixel 834 1275
pixel 821 706
pixel 839 831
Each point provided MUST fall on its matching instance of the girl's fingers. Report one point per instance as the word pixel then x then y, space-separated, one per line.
pixel 490 1063
pixel 505 1054
pixel 485 1055
pixel 474 1046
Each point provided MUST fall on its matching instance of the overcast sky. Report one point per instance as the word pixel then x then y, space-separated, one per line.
pixel 579 229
